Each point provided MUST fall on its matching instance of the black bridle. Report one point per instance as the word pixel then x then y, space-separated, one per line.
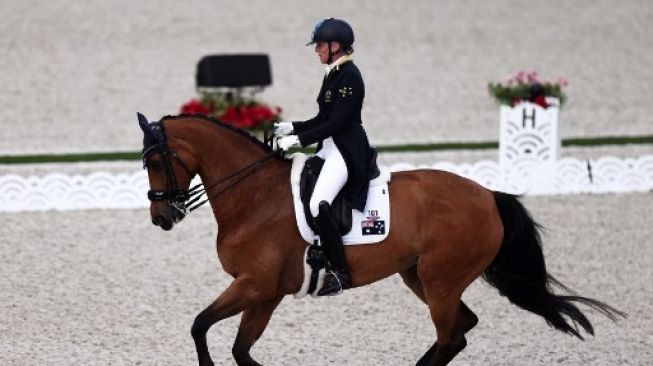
pixel 176 197
pixel 186 201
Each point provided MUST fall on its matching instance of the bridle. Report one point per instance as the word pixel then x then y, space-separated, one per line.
pixel 186 201
pixel 176 197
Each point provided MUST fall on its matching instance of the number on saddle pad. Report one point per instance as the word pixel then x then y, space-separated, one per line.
pixel 341 207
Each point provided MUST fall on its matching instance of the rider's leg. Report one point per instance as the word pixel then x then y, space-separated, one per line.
pixel 333 177
pixel 331 180
pixel 339 277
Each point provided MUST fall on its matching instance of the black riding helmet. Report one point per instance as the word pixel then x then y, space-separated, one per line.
pixel 333 29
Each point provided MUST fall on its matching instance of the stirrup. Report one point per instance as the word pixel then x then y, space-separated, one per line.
pixel 334 284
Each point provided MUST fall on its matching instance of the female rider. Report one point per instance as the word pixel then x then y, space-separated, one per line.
pixel 342 143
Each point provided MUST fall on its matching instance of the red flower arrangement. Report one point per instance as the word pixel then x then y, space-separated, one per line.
pixel 526 86
pixel 233 109
pixel 194 106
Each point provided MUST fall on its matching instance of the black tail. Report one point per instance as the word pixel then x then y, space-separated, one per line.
pixel 519 273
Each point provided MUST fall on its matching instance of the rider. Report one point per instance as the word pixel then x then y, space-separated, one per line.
pixel 349 160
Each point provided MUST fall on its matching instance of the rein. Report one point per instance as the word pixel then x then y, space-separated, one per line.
pixel 195 193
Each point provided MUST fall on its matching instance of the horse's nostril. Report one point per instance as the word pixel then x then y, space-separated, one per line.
pixel 157 220
pixel 162 222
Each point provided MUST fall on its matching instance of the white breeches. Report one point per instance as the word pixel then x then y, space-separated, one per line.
pixel 332 177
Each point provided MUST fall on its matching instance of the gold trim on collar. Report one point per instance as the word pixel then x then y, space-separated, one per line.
pixel 336 64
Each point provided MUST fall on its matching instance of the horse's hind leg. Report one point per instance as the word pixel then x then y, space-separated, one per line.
pixel 467 318
pixel 443 286
pixel 462 316
pixel 466 321
pixel 411 280
pixel 451 340
pixel 252 325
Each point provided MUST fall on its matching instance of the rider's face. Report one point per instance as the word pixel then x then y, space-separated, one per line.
pixel 322 50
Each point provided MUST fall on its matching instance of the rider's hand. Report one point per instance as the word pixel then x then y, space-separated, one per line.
pixel 286 142
pixel 283 128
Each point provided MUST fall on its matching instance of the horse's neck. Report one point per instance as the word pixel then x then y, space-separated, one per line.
pixel 253 201
pixel 221 159
pixel 222 153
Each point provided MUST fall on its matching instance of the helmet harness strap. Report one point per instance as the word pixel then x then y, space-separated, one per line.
pixel 330 60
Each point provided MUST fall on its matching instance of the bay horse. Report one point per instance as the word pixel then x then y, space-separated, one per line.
pixel 446 232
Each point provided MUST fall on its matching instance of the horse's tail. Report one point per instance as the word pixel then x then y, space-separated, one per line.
pixel 519 273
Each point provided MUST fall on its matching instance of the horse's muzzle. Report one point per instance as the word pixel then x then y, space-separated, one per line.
pixel 163 222
pixel 173 215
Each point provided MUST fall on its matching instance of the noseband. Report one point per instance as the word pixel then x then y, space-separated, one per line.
pixel 181 199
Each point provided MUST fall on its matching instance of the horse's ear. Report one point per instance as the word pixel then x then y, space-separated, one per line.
pixel 149 137
pixel 142 121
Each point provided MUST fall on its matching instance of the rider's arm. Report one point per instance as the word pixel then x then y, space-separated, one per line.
pixel 299 127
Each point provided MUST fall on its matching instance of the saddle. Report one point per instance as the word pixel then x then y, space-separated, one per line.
pixel 369 226
pixel 341 207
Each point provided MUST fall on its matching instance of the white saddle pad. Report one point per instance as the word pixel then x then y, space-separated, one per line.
pixel 370 226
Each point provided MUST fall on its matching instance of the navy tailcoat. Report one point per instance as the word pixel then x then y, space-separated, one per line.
pixel 340 103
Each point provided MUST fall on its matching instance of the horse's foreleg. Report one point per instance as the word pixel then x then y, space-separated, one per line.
pixel 240 295
pixel 252 325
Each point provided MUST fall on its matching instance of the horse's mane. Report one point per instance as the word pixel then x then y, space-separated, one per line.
pixel 267 148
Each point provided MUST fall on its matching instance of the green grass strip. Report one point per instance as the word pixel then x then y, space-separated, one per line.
pixel 483 145
pixel 69 158
pixel 602 141
pixel 439 146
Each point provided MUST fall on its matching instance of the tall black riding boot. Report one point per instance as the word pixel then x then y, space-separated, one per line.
pixel 339 278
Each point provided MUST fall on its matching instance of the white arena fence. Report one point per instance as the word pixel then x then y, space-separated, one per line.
pixel 111 191
pixel 529 163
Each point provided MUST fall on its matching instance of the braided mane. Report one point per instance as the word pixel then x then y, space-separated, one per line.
pixel 221 124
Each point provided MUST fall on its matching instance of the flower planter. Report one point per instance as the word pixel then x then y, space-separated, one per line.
pixel 234 109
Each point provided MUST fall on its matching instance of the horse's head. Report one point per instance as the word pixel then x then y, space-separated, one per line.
pixel 170 169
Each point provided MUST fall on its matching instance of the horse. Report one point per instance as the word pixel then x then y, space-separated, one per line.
pixel 446 232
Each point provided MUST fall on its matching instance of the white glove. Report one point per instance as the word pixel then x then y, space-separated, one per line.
pixel 283 128
pixel 286 142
